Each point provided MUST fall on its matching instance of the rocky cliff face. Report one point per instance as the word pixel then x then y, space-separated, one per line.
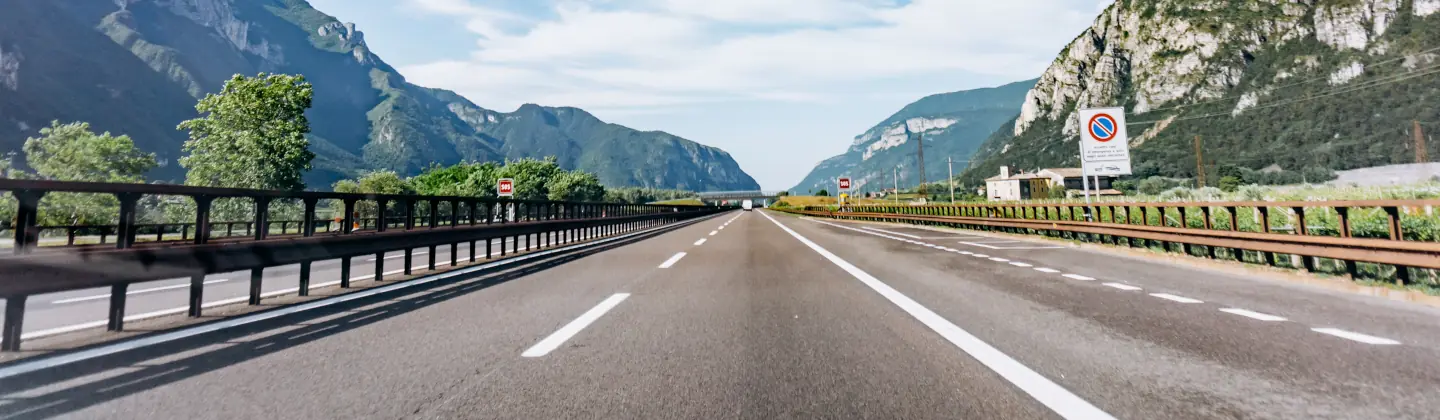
pixel 1185 68
pixel 952 125
pixel 162 55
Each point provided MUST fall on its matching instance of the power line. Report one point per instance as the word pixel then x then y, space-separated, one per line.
pixel 1293 84
pixel 1339 90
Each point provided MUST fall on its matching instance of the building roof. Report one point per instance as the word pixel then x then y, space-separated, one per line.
pixel 1065 172
pixel 1016 177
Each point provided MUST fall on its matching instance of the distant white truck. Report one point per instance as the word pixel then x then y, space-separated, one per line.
pixel 747 205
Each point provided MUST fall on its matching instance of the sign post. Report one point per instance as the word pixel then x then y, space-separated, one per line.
pixel 1104 147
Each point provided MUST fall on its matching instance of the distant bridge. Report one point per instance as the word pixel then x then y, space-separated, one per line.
pixel 761 198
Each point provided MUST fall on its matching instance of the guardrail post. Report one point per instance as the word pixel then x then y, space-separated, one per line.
pixel 307 229
pixel 1265 228
pixel 14 320
pixel 434 222
pixel 1185 224
pixel 1397 233
pixel 409 208
pixel 262 218
pixel 116 311
pixel 27 235
pixel 126 236
pixel 1302 229
pixel 1342 215
pixel 1209 225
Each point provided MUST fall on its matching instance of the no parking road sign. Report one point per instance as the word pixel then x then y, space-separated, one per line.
pixel 505 187
pixel 844 184
pixel 1104 145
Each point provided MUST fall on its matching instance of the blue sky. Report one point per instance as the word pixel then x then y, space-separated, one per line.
pixel 780 84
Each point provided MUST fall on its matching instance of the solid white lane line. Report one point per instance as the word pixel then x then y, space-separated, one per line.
pixel 673 259
pixel 1046 270
pixel 1020 264
pixel 1354 336
pixel 569 330
pixel 998 259
pixel 1252 314
pixel 713 232
pixel 1171 297
pixel 163 312
pixel 700 242
pixel 402 255
pixel 1122 286
pixel 133 292
pixel 1078 277
pixel 1052 395
pixel 892 233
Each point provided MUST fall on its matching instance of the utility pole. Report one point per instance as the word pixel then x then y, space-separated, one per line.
pixel 1421 155
pixel 1199 165
pixel 895 175
pixel 919 143
pixel 950 161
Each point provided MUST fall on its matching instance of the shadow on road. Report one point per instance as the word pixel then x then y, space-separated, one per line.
pixel 60 390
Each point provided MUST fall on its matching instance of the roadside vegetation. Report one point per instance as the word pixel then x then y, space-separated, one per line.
pixel 254 134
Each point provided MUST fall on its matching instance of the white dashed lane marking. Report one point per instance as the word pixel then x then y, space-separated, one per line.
pixel 1078 277
pixel 1175 298
pixel 1252 314
pixel 673 259
pixel 1020 264
pixel 1354 336
pixel 1122 286
pixel 700 242
pixel 1046 270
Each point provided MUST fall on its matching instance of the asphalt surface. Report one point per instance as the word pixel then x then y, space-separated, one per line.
pixel 774 316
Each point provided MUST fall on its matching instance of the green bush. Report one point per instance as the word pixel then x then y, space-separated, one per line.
pixel 1230 183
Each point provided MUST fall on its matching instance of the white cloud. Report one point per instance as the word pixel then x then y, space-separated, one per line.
pixel 634 54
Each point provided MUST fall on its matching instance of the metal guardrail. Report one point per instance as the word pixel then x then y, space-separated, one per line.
pixel 1130 224
pixel 31 270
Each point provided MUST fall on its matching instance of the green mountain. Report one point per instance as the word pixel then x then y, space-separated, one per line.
pixel 1303 86
pixel 952 125
pixel 137 67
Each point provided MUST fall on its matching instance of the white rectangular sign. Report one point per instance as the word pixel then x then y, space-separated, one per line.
pixel 1110 168
pixel 1104 145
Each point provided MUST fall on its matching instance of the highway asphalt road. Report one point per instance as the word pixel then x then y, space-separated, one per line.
pixel 764 315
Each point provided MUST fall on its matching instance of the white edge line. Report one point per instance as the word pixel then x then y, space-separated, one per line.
pixel 1052 395
pixel 563 334
pixel 673 259
pixel 892 233
pixel 106 350
pixel 1354 336
pixel 134 292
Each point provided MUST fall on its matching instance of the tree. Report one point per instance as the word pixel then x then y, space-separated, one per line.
pixel 378 182
pixel 251 134
pixel 1230 183
pixel 823 193
pixel 71 152
pixel 1151 186
pixel 575 186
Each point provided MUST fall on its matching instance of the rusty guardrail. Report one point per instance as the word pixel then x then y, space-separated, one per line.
pixel 1214 226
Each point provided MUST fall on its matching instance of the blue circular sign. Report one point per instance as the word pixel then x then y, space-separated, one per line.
pixel 1102 127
